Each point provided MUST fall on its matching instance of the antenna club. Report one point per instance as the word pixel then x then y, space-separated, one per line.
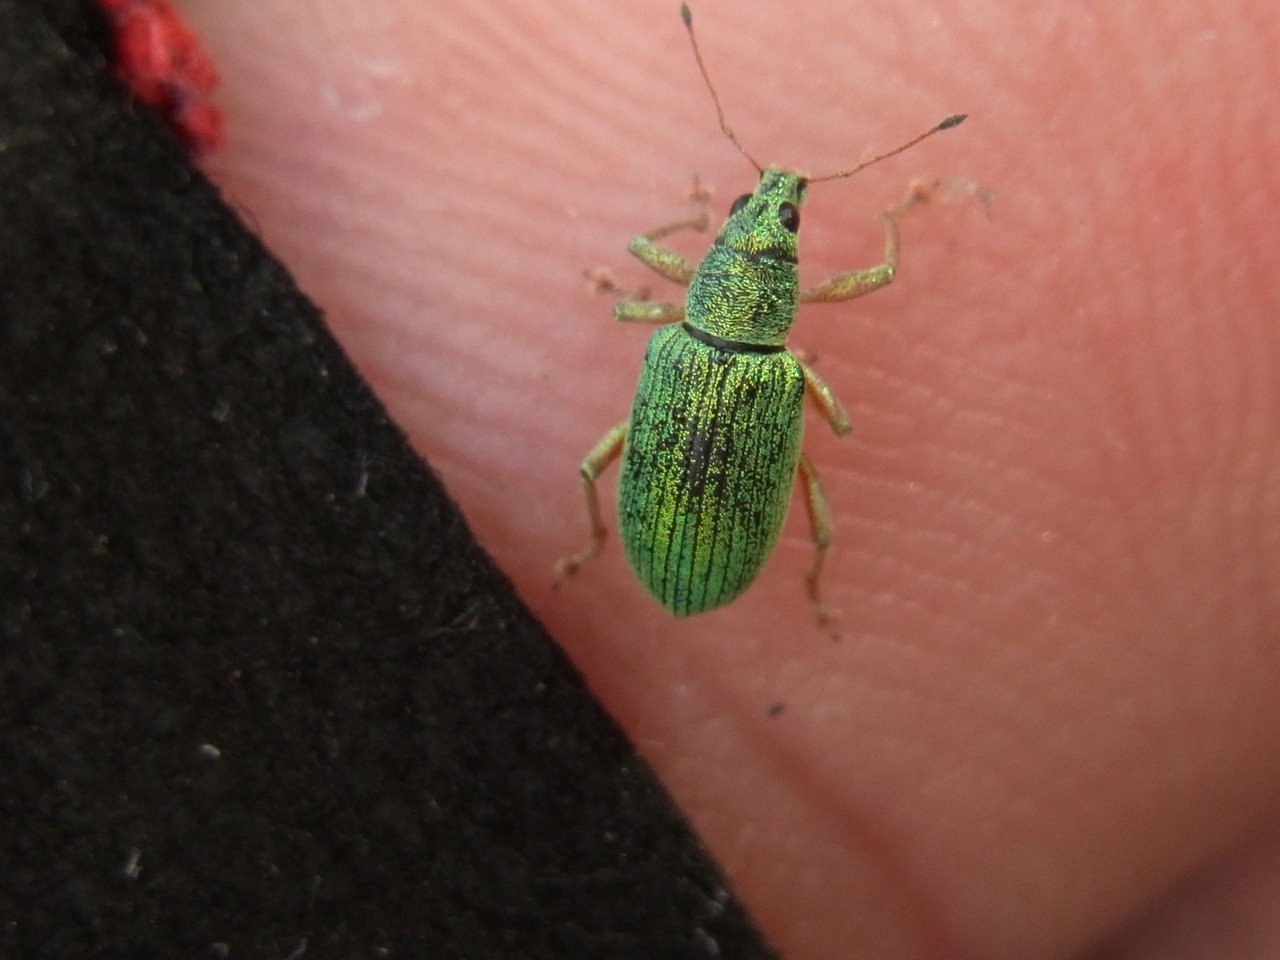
pixel 946 124
pixel 687 16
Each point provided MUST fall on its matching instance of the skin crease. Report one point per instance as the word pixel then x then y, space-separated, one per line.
pixel 1043 727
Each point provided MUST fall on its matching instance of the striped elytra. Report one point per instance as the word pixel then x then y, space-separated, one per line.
pixel 708 467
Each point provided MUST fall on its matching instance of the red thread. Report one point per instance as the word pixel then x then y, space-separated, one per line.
pixel 159 58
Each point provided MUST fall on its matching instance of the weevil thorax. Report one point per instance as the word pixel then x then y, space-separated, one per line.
pixel 746 288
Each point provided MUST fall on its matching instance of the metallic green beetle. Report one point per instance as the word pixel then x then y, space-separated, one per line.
pixel 712 446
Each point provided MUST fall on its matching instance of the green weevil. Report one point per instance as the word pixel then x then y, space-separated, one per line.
pixel 711 449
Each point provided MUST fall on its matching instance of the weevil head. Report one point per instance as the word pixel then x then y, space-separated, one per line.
pixel 764 224
pixel 745 290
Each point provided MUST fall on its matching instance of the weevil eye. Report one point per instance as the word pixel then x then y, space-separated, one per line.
pixel 739 203
pixel 789 216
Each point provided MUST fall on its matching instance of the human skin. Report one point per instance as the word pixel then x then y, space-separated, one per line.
pixel 1046 724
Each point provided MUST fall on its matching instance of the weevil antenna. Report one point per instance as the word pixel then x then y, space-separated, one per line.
pixel 687 17
pixel 946 124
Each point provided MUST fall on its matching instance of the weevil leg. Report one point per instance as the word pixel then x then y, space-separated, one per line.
pixel 664 262
pixel 667 263
pixel 855 283
pixel 821 395
pixel 636 307
pixel 648 311
pixel 601 455
pixel 823 529
pixel 603 281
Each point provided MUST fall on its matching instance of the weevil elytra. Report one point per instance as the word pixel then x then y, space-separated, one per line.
pixel 712 447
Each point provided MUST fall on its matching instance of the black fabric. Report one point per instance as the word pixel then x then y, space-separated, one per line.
pixel 261 695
